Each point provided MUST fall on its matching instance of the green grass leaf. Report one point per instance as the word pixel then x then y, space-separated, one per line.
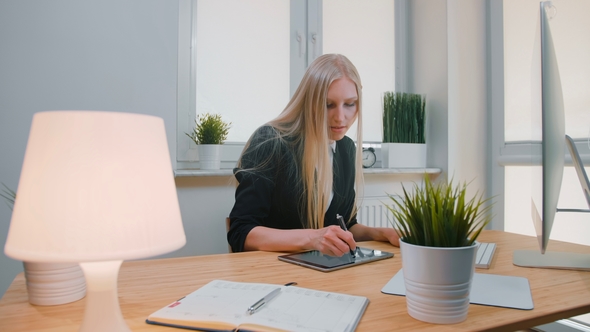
pixel 439 214
pixel 9 196
pixel 404 118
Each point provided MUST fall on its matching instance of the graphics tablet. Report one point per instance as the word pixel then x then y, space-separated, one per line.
pixel 318 261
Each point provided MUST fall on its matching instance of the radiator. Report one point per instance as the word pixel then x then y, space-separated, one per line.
pixel 373 212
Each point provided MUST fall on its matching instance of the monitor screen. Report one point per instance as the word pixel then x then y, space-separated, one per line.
pixel 548 111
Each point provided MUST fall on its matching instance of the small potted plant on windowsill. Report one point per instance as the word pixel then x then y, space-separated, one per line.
pixel 209 134
pixel 404 127
pixel 438 225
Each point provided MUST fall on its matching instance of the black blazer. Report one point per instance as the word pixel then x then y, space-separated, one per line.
pixel 271 196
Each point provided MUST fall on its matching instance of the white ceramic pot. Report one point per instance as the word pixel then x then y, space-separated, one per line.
pixel 54 283
pixel 403 155
pixel 209 156
pixel 438 282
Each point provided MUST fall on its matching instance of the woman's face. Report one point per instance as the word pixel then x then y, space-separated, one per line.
pixel 342 105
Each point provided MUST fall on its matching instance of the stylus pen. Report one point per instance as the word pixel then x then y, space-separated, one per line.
pixel 343 226
pixel 260 303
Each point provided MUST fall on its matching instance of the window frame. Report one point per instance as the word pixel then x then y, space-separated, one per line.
pixel 508 153
pixel 306 16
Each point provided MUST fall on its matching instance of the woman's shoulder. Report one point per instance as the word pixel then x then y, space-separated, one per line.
pixel 346 144
pixel 264 133
pixel 346 140
pixel 265 129
pixel 266 150
pixel 266 139
pixel 269 135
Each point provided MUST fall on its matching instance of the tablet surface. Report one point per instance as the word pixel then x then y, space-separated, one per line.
pixel 325 263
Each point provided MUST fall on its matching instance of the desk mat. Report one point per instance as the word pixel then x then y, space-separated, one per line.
pixel 486 289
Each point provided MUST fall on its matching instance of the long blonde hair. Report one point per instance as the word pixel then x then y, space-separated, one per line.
pixel 304 120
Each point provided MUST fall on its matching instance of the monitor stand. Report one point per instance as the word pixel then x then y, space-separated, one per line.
pixel 551 260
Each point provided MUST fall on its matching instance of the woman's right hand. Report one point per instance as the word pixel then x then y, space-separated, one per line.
pixel 332 240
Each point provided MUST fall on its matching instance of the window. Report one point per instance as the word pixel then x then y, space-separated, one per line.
pixel 568 27
pixel 243 60
pixel 364 32
pixel 242 69
pixel 572 50
pixel 511 55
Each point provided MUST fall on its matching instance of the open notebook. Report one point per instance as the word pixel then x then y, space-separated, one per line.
pixel 223 305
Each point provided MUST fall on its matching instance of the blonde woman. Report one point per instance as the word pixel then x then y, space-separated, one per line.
pixel 299 171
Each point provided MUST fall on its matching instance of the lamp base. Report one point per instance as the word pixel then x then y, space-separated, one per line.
pixel 102 312
pixel 54 283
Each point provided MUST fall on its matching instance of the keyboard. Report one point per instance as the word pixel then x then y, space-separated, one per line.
pixel 485 254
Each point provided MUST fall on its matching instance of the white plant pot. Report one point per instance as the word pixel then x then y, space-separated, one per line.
pixel 403 155
pixel 54 283
pixel 209 156
pixel 438 281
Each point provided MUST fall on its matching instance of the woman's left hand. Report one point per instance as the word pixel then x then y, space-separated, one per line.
pixel 366 233
pixel 391 235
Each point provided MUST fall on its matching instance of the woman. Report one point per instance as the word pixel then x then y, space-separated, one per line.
pixel 298 172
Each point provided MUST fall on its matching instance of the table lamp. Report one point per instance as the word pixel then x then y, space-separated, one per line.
pixel 96 188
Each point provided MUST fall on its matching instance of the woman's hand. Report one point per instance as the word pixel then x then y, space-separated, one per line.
pixel 332 240
pixel 391 235
pixel 366 233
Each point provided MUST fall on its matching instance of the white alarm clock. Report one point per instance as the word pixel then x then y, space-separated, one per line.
pixel 369 157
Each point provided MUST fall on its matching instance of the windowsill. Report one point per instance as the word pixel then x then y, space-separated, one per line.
pixel 229 172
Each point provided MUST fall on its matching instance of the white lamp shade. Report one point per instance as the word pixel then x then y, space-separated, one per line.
pixel 95 186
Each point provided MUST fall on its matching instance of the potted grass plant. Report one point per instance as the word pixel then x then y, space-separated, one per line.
pixel 49 283
pixel 404 128
pixel 209 133
pixel 437 225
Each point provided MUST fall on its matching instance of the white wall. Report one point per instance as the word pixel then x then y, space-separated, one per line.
pixel 66 54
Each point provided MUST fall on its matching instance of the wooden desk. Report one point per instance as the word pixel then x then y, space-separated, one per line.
pixel 146 286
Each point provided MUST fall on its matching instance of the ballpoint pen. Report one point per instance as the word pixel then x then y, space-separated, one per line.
pixel 343 226
pixel 260 303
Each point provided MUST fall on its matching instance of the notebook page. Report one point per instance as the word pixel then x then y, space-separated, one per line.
pixel 300 309
pixel 218 301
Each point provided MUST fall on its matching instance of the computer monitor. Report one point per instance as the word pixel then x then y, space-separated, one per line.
pixel 582 176
pixel 547 177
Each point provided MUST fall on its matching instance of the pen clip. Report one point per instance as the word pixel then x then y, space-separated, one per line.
pixel 253 308
pixel 260 303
